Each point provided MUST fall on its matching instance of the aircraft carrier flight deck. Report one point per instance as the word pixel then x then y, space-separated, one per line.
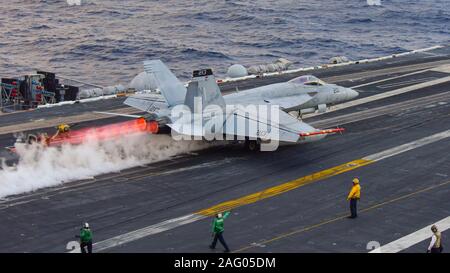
pixel 397 142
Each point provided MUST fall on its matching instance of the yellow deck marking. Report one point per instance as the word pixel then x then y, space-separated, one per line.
pixel 269 192
pixel 285 187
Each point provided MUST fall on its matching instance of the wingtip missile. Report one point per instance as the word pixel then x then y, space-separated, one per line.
pixel 323 132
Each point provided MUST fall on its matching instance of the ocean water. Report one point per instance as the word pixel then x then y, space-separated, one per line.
pixel 105 41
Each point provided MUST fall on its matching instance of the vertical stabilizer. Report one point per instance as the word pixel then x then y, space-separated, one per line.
pixel 171 88
pixel 203 85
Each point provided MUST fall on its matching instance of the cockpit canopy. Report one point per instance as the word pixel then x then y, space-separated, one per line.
pixel 308 80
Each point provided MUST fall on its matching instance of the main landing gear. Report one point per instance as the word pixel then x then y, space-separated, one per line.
pixel 253 145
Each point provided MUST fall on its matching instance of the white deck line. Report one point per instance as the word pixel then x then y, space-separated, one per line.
pixel 388 79
pixel 334 65
pixel 382 96
pixel 413 238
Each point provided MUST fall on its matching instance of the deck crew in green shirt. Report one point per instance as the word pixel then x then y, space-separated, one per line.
pixel 217 229
pixel 85 239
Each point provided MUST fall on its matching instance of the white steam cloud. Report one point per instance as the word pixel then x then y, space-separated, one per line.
pixel 40 167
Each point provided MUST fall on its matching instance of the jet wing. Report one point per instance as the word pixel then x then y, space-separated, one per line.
pixel 147 102
pixel 239 123
pixel 290 101
pixel 281 127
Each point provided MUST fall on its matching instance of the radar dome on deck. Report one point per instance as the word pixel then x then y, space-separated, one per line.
pixel 236 71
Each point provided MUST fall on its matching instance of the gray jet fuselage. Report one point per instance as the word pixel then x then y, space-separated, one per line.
pixel 293 96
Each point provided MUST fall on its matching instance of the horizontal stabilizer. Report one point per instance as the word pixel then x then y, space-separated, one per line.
pixel 146 103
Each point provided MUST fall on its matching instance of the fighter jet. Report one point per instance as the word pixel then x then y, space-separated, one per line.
pixel 201 112
pixel 305 94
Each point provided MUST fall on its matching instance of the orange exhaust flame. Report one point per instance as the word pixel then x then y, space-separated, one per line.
pixel 106 132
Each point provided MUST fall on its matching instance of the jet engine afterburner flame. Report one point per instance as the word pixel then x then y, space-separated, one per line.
pixel 106 132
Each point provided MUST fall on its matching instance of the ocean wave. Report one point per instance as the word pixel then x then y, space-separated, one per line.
pixel 242 18
pixel 203 15
pixel 196 53
pixel 114 37
pixel 40 27
pixel 359 21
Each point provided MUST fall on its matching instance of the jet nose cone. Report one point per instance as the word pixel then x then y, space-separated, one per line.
pixel 351 94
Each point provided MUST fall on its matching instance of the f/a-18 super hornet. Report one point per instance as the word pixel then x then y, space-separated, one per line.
pixel 256 116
